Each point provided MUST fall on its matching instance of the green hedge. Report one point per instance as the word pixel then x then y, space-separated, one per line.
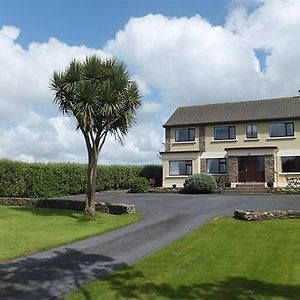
pixel 18 179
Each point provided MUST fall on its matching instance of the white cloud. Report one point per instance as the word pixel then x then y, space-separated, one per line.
pixel 25 74
pixel 176 61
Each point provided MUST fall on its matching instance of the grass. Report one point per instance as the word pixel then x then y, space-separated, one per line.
pixel 27 230
pixel 225 259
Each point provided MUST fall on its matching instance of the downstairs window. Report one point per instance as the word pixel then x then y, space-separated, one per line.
pixel 180 167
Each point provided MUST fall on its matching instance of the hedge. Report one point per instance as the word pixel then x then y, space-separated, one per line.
pixel 19 179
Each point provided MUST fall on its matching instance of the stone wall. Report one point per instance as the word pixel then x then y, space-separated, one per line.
pixel 167 139
pixel 265 215
pixel 103 207
pixel 202 165
pixel 269 168
pixel 202 139
pixel 232 169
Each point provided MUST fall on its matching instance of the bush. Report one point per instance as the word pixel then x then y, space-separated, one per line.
pixel 199 184
pixel 153 173
pixel 139 185
pixel 36 180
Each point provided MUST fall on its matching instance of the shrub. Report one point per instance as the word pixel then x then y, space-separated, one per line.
pixel 19 179
pixel 199 184
pixel 153 173
pixel 139 185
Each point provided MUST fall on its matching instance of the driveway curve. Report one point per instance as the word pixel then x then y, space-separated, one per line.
pixel 50 274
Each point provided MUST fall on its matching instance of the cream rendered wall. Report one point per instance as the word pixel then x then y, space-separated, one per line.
pixel 184 146
pixel 216 149
pixel 168 180
pixel 286 146
pixel 263 138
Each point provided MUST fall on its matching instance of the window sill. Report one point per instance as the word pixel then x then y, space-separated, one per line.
pixel 177 176
pixel 217 174
pixel 184 142
pixel 282 138
pixel 224 141
pixel 290 173
pixel 249 140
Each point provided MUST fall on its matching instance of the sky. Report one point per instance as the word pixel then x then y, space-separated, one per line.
pixel 180 53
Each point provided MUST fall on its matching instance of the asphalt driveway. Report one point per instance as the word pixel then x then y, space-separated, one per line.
pixel 49 274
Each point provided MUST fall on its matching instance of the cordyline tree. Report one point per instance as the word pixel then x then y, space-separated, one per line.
pixel 103 99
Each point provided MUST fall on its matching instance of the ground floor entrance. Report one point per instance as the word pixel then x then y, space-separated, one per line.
pixel 251 169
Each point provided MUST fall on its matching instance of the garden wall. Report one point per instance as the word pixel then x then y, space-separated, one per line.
pixel 104 207
pixel 36 180
pixel 250 215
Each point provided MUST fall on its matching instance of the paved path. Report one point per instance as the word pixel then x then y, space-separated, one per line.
pixel 49 274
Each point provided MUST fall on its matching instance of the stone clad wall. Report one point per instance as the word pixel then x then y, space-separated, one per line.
pixel 232 169
pixel 269 168
pixel 266 215
pixel 167 139
pixel 201 139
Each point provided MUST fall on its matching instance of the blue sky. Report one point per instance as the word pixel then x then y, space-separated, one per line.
pixel 94 22
pixel 180 53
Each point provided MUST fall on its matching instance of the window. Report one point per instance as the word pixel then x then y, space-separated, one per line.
pixel 180 167
pixel 224 133
pixel 290 164
pixel 185 135
pixel 251 131
pixel 216 166
pixel 282 129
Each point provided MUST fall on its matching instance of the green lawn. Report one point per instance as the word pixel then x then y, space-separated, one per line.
pixel 28 230
pixel 225 259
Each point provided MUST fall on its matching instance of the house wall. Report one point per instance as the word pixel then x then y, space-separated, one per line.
pixel 184 146
pixel 263 138
pixel 168 180
pixel 208 148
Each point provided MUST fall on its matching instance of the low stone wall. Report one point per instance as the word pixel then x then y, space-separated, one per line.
pixel 250 215
pixel 103 207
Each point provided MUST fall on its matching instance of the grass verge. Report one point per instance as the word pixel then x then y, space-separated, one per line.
pixel 225 259
pixel 27 230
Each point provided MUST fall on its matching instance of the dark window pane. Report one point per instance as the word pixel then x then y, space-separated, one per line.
pixel 180 167
pixel 185 134
pixel 224 133
pixel 191 134
pixel 221 133
pixel 251 131
pixel 290 164
pixel 232 132
pixel 222 167
pixel 289 129
pixel 216 165
pixel 277 129
pixel 212 166
pixel 181 135
pixel 282 129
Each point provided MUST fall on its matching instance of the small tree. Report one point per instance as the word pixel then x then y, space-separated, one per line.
pixel 101 97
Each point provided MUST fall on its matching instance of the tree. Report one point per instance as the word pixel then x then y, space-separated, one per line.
pixel 103 99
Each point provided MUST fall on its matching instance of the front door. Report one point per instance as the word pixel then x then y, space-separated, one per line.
pixel 251 169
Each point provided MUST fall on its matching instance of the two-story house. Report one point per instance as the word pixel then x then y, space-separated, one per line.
pixel 238 142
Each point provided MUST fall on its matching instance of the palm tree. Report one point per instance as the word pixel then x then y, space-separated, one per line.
pixel 103 99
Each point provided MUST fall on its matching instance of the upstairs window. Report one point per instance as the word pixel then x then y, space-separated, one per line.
pixel 185 135
pixel 251 131
pixel 282 129
pixel 290 164
pixel 216 166
pixel 180 167
pixel 224 133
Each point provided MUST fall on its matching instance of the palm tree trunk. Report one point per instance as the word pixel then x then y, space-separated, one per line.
pixel 91 184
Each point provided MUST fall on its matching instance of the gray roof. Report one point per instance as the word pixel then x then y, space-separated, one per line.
pixel 258 110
